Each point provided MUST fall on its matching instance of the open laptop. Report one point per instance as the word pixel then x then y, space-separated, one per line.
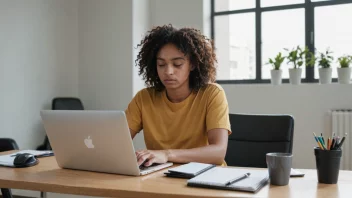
pixel 90 140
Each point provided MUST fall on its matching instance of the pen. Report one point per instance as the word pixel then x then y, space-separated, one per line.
pixel 332 144
pixel 237 179
pixel 321 135
pixel 316 139
pixel 338 140
pixel 335 143
pixel 340 144
pixel 321 142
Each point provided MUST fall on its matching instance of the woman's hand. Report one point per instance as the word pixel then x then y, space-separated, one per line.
pixel 148 157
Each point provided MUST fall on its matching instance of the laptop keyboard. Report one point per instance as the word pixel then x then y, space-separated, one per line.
pixel 141 167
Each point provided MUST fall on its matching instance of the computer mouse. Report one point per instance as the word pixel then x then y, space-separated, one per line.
pixel 25 160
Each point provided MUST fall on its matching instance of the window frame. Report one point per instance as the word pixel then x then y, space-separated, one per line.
pixel 309 8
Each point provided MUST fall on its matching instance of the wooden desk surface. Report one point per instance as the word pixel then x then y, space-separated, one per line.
pixel 48 177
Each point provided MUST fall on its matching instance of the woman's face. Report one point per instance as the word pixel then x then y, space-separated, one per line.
pixel 173 67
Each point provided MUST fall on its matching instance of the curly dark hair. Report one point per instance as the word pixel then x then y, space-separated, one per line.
pixel 189 41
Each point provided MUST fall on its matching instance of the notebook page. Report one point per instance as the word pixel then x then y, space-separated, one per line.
pixel 6 160
pixel 34 152
pixel 217 176
pixel 190 168
pixel 253 181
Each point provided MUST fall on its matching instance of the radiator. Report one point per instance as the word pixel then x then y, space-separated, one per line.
pixel 342 124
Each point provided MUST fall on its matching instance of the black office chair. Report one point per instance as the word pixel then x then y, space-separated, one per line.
pixel 67 103
pixel 8 144
pixel 62 103
pixel 255 135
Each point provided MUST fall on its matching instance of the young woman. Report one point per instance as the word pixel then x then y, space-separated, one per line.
pixel 183 114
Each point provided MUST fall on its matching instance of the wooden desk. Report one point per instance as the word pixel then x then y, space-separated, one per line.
pixel 48 177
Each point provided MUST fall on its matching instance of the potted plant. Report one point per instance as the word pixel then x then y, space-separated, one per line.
pixel 276 72
pixel 295 56
pixel 325 71
pixel 344 71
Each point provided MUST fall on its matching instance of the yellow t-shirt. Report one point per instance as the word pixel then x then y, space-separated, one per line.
pixel 183 125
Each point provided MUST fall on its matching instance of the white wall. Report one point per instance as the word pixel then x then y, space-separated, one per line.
pixel 141 24
pixel 180 13
pixel 38 61
pixel 105 53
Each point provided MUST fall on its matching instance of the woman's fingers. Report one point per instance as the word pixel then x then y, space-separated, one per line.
pixel 144 157
pixel 140 153
pixel 150 161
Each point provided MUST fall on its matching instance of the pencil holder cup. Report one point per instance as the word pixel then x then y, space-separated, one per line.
pixel 328 165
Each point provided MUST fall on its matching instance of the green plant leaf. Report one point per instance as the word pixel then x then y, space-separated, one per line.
pixel 344 61
pixel 300 63
pixel 325 59
pixel 276 63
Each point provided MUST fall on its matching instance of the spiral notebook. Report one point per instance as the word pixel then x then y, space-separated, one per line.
pixel 220 177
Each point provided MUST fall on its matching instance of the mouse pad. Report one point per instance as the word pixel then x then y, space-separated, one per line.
pixel 7 160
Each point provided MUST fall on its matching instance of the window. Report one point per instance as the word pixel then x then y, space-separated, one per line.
pixel 275 38
pixel 332 30
pixel 269 3
pixel 247 32
pixel 236 47
pixel 225 5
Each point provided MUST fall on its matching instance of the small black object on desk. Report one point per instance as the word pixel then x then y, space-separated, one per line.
pixel 25 160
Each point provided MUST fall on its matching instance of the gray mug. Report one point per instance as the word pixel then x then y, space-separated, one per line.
pixel 279 166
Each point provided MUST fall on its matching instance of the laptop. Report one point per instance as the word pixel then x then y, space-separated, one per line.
pixel 98 141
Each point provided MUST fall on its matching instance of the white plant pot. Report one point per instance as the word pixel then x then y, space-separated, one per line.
pixel 295 76
pixel 325 75
pixel 344 75
pixel 276 77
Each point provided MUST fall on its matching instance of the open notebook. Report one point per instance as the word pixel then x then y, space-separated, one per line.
pixel 219 177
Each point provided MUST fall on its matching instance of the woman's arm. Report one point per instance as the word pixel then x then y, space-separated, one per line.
pixel 214 153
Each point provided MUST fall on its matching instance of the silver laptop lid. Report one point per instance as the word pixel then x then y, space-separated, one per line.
pixel 91 140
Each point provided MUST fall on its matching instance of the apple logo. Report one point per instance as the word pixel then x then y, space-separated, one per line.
pixel 88 142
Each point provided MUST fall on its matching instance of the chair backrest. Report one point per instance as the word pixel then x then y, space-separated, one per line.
pixel 7 144
pixel 66 103
pixel 255 135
